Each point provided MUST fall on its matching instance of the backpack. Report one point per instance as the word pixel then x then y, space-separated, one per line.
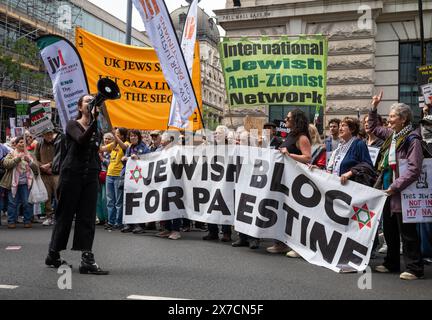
pixel 427 148
pixel 316 155
pixel 2 169
pixel 60 148
pixel 4 153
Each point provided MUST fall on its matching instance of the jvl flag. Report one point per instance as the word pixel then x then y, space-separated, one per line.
pixel 146 96
pixel 67 74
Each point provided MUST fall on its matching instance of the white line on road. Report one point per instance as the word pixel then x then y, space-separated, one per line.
pixel 6 286
pixel 138 297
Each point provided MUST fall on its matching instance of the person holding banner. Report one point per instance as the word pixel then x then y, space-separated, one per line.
pixel 221 138
pixel 297 146
pixel 245 240
pixel 136 148
pixel 402 141
pixel 351 159
pixel 77 191
pixel 114 180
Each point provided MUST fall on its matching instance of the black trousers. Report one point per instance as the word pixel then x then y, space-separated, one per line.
pixel 394 230
pixel 77 196
pixel 214 229
pixel 245 237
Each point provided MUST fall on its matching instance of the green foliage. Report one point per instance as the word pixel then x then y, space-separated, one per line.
pixel 14 58
pixel 26 49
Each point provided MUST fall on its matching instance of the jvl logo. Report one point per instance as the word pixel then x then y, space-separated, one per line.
pixel 56 62
pixel 151 8
pixel 190 27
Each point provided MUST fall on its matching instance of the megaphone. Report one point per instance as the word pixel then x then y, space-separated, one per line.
pixel 107 90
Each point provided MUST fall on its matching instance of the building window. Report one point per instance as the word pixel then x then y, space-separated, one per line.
pixel 182 19
pixel 409 60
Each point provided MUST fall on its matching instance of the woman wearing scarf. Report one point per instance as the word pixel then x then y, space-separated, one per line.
pixel 137 148
pixel 401 142
pixel 351 159
pixel 20 170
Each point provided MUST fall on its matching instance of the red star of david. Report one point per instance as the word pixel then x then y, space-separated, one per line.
pixel 363 216
pixel 136 174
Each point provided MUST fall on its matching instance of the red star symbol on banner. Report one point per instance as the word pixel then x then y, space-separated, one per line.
pixel 136 174
pixel 363 216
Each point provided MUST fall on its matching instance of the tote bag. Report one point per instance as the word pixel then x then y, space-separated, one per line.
pixel 38 192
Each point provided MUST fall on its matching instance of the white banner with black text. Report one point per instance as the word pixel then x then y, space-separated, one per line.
pixel 263 194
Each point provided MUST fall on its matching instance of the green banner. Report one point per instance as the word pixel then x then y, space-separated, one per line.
pixel 281 71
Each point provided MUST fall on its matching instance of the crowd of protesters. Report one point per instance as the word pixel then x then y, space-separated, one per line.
pixel 343 153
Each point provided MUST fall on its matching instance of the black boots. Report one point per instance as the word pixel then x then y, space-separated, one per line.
pixel 89 266
pixel 53 260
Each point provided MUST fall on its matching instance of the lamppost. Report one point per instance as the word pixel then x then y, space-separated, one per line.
pixel 129 22
pixel 422 41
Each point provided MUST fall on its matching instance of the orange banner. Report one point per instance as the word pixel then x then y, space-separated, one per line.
pixel 146 97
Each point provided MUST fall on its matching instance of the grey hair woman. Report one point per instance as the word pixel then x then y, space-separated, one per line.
pixel 402 141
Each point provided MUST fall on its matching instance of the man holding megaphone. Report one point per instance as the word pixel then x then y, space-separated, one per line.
pixel 78 184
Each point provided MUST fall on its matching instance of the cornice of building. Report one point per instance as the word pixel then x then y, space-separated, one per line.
pixel 313 11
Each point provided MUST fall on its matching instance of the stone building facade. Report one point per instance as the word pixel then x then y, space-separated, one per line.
pixel 373 45
pixel 213 88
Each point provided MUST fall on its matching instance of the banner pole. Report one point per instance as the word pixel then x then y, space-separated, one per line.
pixel 200 114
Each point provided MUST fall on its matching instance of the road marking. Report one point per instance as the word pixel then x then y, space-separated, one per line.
pixel 13 248
pixel 138 297
pixel 5 286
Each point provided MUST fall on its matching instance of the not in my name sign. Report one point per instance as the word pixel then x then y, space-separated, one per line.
pixel 417 198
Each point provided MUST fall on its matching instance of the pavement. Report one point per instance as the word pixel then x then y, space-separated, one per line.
pixel 146 266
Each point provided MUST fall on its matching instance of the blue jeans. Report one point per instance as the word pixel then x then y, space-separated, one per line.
pixel 101 205
pixel 21 197
pixel 425 232
pixel 114 200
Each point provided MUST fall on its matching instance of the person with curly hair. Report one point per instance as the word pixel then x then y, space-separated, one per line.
pixel 297 146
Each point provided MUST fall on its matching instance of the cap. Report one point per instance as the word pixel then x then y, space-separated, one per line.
pixel 155 133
